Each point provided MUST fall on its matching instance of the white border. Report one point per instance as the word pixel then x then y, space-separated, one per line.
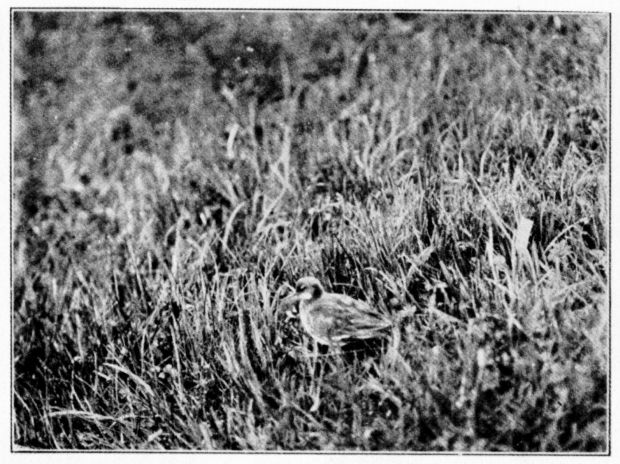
pixel 497 5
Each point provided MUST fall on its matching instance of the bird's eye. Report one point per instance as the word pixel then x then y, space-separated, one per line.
pixel 300 288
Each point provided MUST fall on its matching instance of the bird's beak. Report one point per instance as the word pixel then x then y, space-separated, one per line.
pixel 291 299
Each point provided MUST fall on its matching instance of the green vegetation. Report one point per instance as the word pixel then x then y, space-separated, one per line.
pixel 175 172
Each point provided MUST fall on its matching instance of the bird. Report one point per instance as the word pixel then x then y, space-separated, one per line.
pixel 334 319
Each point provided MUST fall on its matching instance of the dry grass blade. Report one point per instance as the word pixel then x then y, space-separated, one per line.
pixel 140 382
pixel 89 416
pixel 522 234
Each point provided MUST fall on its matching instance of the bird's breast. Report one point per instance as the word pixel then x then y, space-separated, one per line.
pixel 305 317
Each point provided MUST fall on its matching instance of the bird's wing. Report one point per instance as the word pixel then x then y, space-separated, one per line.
pixel 352 319
pixel 358 311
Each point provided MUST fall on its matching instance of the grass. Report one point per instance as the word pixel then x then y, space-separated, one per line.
pixel 166 196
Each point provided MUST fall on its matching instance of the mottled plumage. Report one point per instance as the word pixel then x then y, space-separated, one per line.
pixel 333 319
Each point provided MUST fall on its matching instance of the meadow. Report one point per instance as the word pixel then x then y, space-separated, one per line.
pixel 175 173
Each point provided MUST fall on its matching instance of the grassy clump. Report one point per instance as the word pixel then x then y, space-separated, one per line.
pixel 174 172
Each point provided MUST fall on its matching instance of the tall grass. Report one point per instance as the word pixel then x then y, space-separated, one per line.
pixel 177 172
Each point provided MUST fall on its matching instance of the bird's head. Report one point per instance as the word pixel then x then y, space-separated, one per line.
pixel 306 289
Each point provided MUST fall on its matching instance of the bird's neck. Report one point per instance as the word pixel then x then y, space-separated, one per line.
pixel 305 304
